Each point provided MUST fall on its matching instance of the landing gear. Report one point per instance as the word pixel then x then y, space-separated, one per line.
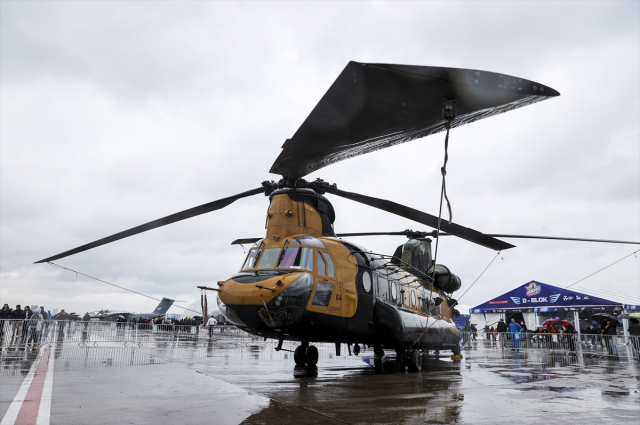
pixel 413 360
pixel 306 355
pixel 356 350
pixel 378 354
pixel 456 350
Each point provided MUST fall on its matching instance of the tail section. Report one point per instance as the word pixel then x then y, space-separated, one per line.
pixel 163 306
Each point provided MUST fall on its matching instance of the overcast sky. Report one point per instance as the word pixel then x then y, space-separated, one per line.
pixel 116 113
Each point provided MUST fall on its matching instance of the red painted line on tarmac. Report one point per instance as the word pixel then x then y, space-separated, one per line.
pixel 28 414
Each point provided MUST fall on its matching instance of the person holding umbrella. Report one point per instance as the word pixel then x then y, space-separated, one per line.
pixel 608 331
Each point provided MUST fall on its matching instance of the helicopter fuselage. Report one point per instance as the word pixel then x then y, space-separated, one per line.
pixel 302 283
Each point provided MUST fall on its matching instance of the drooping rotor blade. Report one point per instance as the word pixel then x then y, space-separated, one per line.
pixel 558 238
pixel 424 218
pixel 375 106
pixel 411 233
pixel 182 215
pixel 244 241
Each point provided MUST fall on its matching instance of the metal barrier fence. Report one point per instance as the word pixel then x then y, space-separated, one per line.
pixel 590 344
pixel 19 332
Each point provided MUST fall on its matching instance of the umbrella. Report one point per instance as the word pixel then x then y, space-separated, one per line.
pixel 550 321
pixel 603 315
pixel 624 316
pixel 563 322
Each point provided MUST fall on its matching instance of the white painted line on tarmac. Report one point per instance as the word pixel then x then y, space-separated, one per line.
pixel 12 413
pixel 44 411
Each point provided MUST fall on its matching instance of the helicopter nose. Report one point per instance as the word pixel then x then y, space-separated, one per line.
pixel 288 306
pixel 229 314
pixel 256 304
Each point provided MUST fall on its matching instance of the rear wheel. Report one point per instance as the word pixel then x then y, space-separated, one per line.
pixel 311 355
pixel 299 355
pixel 414 360
pixel 456 350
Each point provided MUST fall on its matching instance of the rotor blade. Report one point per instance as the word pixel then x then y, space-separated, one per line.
pixel 340 235
pixel 243 241
pixel 348 235
pixel 375 106
pixel 191 212
pixel 560 238
pixel 424 218
pixel 496 235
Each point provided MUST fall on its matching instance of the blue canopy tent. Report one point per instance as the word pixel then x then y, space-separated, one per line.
pixel 534 299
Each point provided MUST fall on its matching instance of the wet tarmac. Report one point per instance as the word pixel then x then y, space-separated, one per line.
pixel 247 382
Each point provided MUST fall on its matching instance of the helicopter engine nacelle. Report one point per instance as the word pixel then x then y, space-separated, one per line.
pixel 444 279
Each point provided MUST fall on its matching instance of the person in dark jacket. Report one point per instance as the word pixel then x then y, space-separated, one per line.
pixel 502 331
pixel 634 333
pixel 27 315
pixel 17 317
pixel 608 333
pixel 570 331
pixel 5 315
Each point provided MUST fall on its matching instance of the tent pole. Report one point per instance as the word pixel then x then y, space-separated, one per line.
pixel 625 327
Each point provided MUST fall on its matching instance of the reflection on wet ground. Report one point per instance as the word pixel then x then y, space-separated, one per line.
pixel 246 381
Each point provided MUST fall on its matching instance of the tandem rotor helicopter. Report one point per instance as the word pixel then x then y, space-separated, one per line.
pixel 301 282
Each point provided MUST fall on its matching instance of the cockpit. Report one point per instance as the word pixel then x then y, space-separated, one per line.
pixel 297 254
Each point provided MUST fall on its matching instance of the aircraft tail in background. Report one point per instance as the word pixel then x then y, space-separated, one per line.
pixel 163 307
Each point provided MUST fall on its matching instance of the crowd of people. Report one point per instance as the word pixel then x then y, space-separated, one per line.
pixel 556 333
pixel 23 325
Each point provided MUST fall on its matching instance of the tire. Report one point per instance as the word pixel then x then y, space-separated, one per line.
pixel 456 350
pixel 311 355
pixel 377 363
pixel 299 356
pixel 415 360
pixel 418 361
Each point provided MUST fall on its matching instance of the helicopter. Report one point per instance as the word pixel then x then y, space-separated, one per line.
pixel 302 281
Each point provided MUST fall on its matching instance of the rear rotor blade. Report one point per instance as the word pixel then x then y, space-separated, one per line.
pixel 182 215
pixel 424 218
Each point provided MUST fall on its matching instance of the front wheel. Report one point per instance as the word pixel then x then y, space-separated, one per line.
pixel 299 355
pixel 311 355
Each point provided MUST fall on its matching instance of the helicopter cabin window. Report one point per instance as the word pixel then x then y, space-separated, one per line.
pixel 296 258
pixel 366 281
pixel 251 260
pixel 322 265
pixel 383 288
pixel 323 294
pixel 331 268
pixel 307 240
pixel 394 291
pixel 413 298
pixel 268 259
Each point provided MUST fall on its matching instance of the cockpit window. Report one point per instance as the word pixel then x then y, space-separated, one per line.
pixel 296 258
pixel 331 268
pixel 307 240
pixel 322 265
pixel 268 259
pixel 250 261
